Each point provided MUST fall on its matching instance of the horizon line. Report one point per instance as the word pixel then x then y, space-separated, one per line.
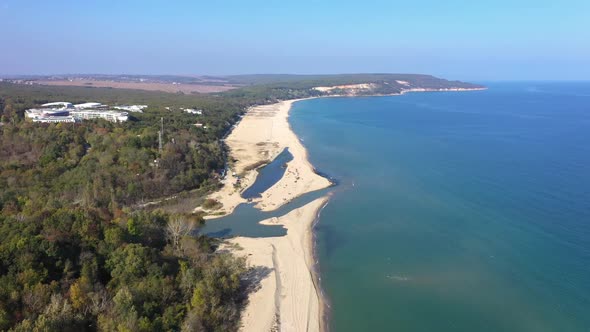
pixel 9 76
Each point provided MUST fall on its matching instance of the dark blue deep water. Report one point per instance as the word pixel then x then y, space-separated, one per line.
pixel 463 211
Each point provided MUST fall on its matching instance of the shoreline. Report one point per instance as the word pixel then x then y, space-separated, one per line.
pixel 262 133
pixel 401 93
pixel 324 313
pixel 259 137
pixel 288 296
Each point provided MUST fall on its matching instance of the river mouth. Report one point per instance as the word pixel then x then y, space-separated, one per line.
pixel 245 219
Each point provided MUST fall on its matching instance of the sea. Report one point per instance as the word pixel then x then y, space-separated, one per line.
pixel 457 211
pixel 452 211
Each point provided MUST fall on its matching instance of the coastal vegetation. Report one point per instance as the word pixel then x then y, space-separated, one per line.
pixel 82 247
pixel 256 165
pixel 76 251
pixel 211 204
pixel 79 269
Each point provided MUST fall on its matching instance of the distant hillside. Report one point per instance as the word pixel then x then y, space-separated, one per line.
pixel 426 81
pixel 276 87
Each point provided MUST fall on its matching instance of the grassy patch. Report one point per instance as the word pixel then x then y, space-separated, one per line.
pixel 256 165
pixel 211 204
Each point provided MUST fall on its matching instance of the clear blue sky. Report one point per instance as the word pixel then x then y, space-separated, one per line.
pixel 471 40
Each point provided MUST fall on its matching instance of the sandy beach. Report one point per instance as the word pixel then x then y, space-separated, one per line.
pixel 286 298
pixel 259 137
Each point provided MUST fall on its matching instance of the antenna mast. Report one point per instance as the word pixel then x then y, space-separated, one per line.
pixel 160 133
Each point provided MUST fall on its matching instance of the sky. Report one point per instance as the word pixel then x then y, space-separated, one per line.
pixel 468 40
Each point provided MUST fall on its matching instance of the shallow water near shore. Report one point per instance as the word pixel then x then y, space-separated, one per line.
pixel 465 211
pixel 246 218
pixel 269 175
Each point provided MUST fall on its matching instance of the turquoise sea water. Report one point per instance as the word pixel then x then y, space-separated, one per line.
pixel 457 211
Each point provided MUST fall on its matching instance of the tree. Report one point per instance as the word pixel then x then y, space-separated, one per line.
pixel 176 229
pixel 215 296
pixel 129 263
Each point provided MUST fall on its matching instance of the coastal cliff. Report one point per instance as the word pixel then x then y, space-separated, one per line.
pixel 284 87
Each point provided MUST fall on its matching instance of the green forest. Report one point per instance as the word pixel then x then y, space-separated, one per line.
pixel 78 253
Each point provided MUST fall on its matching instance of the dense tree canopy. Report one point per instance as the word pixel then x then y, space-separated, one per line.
pixel 72 269
pixel 75 255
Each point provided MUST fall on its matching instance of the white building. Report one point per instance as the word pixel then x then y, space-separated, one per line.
pixel 55 119
pixel 112 116
pixel 193 111
pixel 66 112
pixel 34 113
pixel 132 108
pixel 63 104
pixel 88 105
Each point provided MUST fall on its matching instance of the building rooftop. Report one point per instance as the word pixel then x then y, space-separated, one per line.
pixel 64 104
pixel 88 105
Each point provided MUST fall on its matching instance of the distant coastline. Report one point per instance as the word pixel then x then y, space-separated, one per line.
pixel 402 92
